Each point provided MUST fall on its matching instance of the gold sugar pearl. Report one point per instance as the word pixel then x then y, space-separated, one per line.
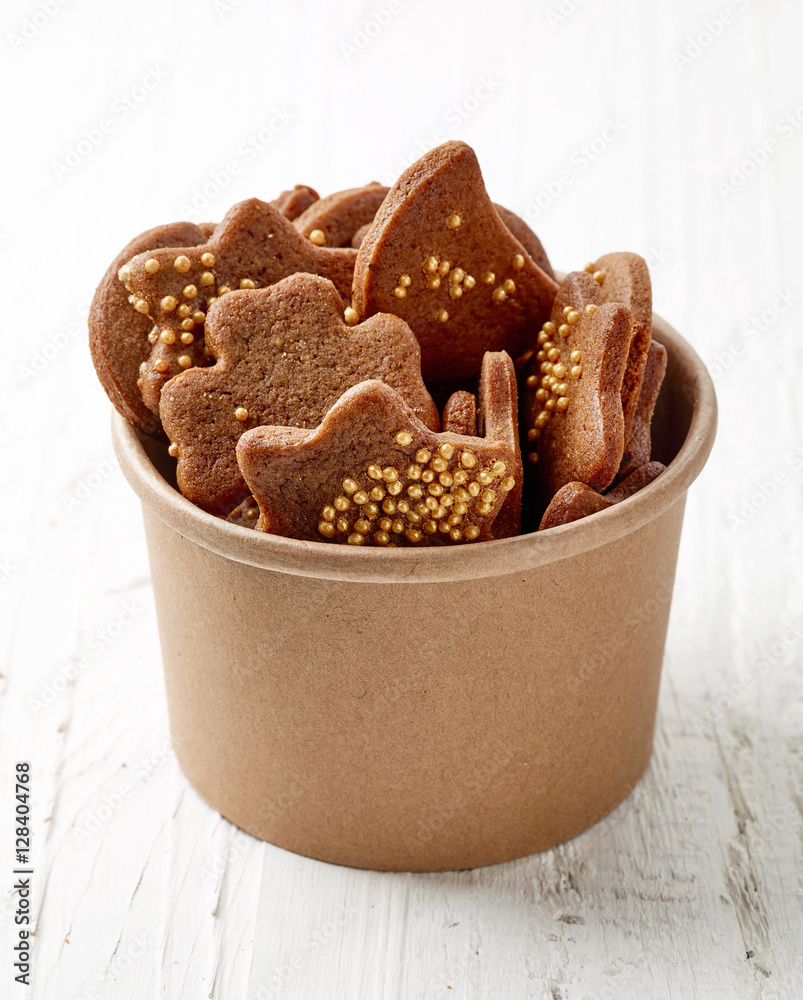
pixel 349 486
pixel 223 290
pixel 533 434
pixel 541 395
pixel 394 489
pixel 577 371
pixel 422 456
pixel 559 371
pixel 457 276
pixel 375 471
pixel 507 484
pixel 251 514
pixel 415 492
pixel 151 265
pixel 161 365
pixel 546 366
pixel 397 527
pixel 329 513
pixel 185 361
pixel 381 537
pixel 377 494
pixel 341 504
pixel 404 281
pixel 589 268
pixel 187 324
pixel 198 316
pixel 446 450
pixel 553 354
pixel 460 477
pixel 403 507
pixel 499 468
pixel 351 316
pixel 499 295
pixel 471 531
pixel 456 535
pixel 447 499
pixel 532 458
pixel 563 403
pixel 318 237
pixel 455 291
pixel 542 419
pixel 509 286
pixel 566 310
pixel 172 451
pixel 550 404
pixel 576 356
pixel 549 327
pixel 208 259
pixel 413 472
pixel 184 311
pixel 342 524
pixel 518 261
pixel 385 524
pixel 362 526
pixel 399 292
pixel 430 265
pixel 247 283
pixel 326 529
pixel 599 276
pixel 474 489
pixel 439 464
pixel 562 389
pixel 461 509
pixel 591 308
pixel 484 508
pixel 360 497
pixel 532 381
pixel 468 460
pixel 572 317
pixel 413 535
pixel 207 278
pixel 468 282
pixel 370 509
pixel 389 474
pixel 141 306
pixel 430 527
pixel 153 336
pixel 489 277
pixel 355 539
pixel 489 496
pixel 442 315
pixel 543 337
pixel 485 477
pixel 182 264
pixel 444 267
pixel 427 476
pixel 167 337
pixel 434 282
pixel 404 438
pixel 189 292
pixel 453 221
pixel 564 330
pixel 446 479
pixel 435 489
pixel 541 355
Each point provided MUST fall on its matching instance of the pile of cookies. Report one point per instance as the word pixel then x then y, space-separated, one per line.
pixel 349 369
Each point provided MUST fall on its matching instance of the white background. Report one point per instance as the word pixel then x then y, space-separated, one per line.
pixel 693 888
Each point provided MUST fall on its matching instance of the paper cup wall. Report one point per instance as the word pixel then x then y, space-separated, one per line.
pixel 421 710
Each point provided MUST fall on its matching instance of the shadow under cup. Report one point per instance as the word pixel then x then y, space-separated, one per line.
pixel 420 710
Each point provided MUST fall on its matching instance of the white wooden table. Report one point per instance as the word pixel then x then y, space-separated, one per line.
pixel 617 126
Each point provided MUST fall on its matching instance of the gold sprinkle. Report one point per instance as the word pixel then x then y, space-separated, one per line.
pixel 190 291
pixel 542 337
pixel 468 460
pixel 468 282
pixel 394 489
pixel 484 508
pixel 455 291
pixel 561 389
pixel 404 281
pixel 572 317
pixel 532 381
pixel 577 371
pixel 185 361
pixel 124 275
pixel 251 514
pixel 381 537
pixel 413 472
pixel 208 259
pixel 403 507
pixel 404 438
pixel 576 356
pixel 563 403
pixel 326 529
pixel 329 513
pixel 355 539
pixel 362 526
pixel 388 506
pixel 318 237
pixel 471 531
pixel 509 286
pixel 591 308
pixel 375 471
pixel 167 337
pixel 172 451
pixel 443 268
pixel 484 477
pixel 207 278
pixel 474 489
pixel 541 395
pixel 549 327
pixel 184 310
pixel 161 365
pixel 566 310
pixel 223 290
pixel 389 474
pixel 553 354
pixel 550 404
pixel 499 295
pixel 187 324
pixel 415 492
pixel 446 450
pixel 446 479
pixel 439 464
pixel 151 265
pixel 460 477
pixel 533 434
pixel 442 315
pixel 427 476
pixel 349 486
pixel 559 371
pixel 599 276
pixel 413 535
pixel 532 458
pixel 499 468
pixel 397 527
pixel 457 276
pixel 489 277
pixel 198 316
pixel 430 265
pixel 141 306
pixel 453 221
pixel 351 316
pixel 507 484
pixel 542 419
pixel 489 496
pixel 564 330
pixel 399 292
pixel 377 494
pixel 182 264
pixel 341 503
pixel 360 497
pixel 434 282
pixel 241 413
pixel 422 456
pixel 247 283
pixel 589 268
pixel 430 527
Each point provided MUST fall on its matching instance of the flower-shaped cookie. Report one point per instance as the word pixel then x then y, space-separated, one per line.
pixel 284 356
pixel 439 256
pixel 253 247
pixel 333 221
pixel 573 404
pixel 576 500
pixel 373 474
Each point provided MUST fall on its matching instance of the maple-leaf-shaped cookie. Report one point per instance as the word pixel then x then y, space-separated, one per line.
pixel 118 336
pixel 625 278
pixel 519 228
pixel 253 247
pixel 439 256
pixel 638 449
pixel 460 413
pixel 373 474
pixel 573 405
pixel 334 220
pixel 577 500
pixel 284 356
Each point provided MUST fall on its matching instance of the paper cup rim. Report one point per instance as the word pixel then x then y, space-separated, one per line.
pixel 439 564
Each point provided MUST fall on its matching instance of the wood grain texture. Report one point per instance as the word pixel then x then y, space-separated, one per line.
pixel 584 123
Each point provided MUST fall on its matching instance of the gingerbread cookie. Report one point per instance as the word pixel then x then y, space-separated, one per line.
pixel 439 256
pixel 294 203
pixel 253 247
pixel 625 278
pixel 460 414
pixel 573 405
pixel 519 228
pixel 359 236
pixel 638 449
pixel 245 514
pixel 333 221
pixel 577 500
pixel 285 355
pixel 373 474
pixel 118 335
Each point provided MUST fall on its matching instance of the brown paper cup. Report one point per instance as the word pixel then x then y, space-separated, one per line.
pixel 421 710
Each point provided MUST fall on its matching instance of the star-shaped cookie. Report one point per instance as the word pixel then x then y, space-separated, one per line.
pixel 253 247
pixel 284 355
pixel 573 404
pixel 373 474
pixel 575 501
pixel 439 256
pixel 333 221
